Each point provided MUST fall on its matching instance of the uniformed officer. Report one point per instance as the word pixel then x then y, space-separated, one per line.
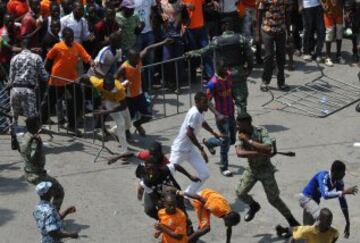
pixel 48 219
pixel 31 149
pixel 255 145
pixel 235 53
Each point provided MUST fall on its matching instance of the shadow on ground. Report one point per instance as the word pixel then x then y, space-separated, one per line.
pixel 13 185
pixel 6 215
pixel 267 238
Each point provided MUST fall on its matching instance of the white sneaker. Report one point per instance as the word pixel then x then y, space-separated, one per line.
pixel 307 58
pixel 328 62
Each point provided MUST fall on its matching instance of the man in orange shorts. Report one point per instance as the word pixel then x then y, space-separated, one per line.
pixel 333 19
pixel 208 202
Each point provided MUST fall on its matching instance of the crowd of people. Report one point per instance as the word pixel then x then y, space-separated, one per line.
pixel 54 54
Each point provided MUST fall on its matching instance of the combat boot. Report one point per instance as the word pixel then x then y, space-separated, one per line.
pixel 254 208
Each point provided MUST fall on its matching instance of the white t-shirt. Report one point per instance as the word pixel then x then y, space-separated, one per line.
pixel 143 10
pixel 105 59
pixel 311 3
pixel 229 6
pixel 193 119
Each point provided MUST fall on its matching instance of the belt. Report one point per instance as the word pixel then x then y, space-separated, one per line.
pixel 29 86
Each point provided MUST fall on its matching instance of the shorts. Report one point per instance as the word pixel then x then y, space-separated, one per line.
pixel 138 104
pixel 333 20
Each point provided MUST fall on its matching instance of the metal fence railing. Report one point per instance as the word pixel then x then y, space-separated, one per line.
pixel 77 102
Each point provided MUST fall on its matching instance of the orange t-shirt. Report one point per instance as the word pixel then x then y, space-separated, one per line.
pixel 215 204
pixel 197 15
pixel 176 222
pixel 17 8
pixel 45 7
pixel 65 61
pixel 249 3
pixel 133 74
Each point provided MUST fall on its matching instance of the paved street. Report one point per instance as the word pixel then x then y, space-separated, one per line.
pixel 105 195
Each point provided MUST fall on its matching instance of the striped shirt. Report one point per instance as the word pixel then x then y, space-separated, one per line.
pixel 221 91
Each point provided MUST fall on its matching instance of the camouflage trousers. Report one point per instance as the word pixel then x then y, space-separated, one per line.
pixel 240 90
pixel 267 178
pixel 58 190
pixel 23 102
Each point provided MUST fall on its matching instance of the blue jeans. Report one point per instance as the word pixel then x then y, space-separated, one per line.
pixel 198 38
pixel 142 41
pixel 173 50
pixel 228 128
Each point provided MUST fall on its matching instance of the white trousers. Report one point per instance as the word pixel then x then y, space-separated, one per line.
pixel 123 122
pixel 197 162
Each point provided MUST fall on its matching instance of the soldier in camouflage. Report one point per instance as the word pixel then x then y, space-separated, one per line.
pixel 31 149
pixel 235 52
pixel 255 145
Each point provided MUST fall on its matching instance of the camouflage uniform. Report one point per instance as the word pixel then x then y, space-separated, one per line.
pixel 32 152
pixel 261 169
pixel 238 72
pixel 26 69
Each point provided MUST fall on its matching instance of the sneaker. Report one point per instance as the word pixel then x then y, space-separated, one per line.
pixel 207 145
pixel 328 62
pixel 227 173
pixel 307 57
pixel 254 208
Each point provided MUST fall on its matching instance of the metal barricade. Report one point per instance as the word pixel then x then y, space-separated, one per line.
pixel 168 95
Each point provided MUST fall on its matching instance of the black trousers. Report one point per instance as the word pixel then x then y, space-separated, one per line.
pixel 313 22
pixel 73 97
pixel 274 44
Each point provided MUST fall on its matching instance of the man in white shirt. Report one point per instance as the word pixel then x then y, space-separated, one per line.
pixel 77 23
pixel 108 57
pixel 186 146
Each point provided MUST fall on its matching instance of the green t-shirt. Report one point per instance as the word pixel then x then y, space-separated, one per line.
pixel 128 26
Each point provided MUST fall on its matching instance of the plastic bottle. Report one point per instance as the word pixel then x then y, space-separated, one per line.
pixel 324 102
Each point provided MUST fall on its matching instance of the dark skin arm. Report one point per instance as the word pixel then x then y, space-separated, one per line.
pixel 153 46
pixel 200 232
pixel 68 211
pixel 120 74
pixel 257 146
pixel 163 228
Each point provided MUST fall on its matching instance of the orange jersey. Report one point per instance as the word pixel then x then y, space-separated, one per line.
pixel 65 61
pixel 176 222
pixel 215 204
pixel 133 74
pixel 197 15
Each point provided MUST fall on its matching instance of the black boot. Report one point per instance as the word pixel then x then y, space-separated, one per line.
pixel 292 221
pixel 254 208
